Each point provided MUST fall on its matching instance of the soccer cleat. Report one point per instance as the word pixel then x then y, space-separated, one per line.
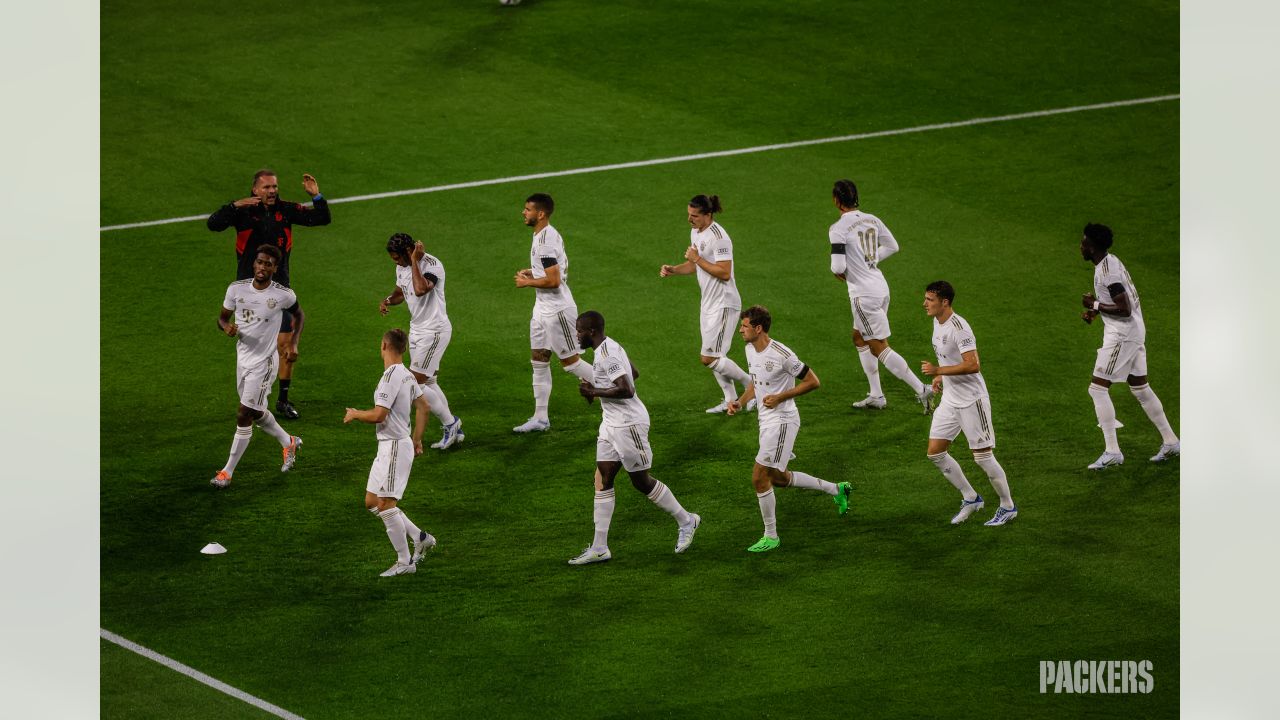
pixel 532 425
pixel 722 407
pixel 967 508
pixel 591 555
pixel 452 434
pixel 1107 460
pixel 421 544
pixel 841 498
pixel 290 453
pixel 399 569
pixel 765 544
pixel 874 402
pixel 284 408
pixel 221 480
pixel 1167 451
pixel 751 404
pixel 926 399
pixel 1002 516
pixel 685 538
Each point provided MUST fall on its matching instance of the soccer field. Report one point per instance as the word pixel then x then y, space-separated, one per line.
pixel 888 611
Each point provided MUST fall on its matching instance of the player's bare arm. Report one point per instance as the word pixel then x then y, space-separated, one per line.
pixel 1120 308
pixel 373 416
pixel 395 298
pixel 721 270
pixel 552 279
pixel 968 366
pixel 808 384
pixel 420 422
pixel 622 389
pixel 310 185
pixel 421 283
pixel 248 202
pixel 684 268
pixel 747 396
pixel 225 324
pixel 298 318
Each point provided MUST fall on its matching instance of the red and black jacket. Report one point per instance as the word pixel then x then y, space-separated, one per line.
pixel 261 224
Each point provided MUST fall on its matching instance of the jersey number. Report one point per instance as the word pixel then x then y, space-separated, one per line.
pixel 870 247
pixel 246 316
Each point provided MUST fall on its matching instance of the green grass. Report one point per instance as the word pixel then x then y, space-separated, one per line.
pixel 888 611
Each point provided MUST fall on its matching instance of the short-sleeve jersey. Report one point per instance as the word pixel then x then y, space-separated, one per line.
pixel 426 312
pixel 397 390
pixel 714 245
pixel 257 316
pixel 1118 329
pixel 951 340
pixel 773 370
pixel 867 242
pixel 547 250
pixel 609 364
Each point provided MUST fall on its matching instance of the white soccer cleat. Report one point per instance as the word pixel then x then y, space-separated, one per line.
pixel 399 569
pixel 421 544
pixel 874 402
pixel 290 453
pixel 1002 516
pixel 925 396
pixel 722 407
pixel 1167 451
pixel 591 555
pixel 533 425
pixel 452 434
pixel 967 508
pixel 1106 460
pixel 221 480
pixel 685 538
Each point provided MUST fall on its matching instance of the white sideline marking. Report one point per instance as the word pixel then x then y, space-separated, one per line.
pixel 199 676
pixel 700 156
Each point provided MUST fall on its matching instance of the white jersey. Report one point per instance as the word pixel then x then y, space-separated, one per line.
pixel 866 242
pixel 426 312
pixel 609 364
pixel 1118 329
pixel 257 315
pixel 396 392
pixel 773 370
pixel 547 250
pixel 714 245
pixel 951 340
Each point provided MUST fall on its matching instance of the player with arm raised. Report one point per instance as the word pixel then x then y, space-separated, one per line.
pixel 774 371
pixel 251 313
pixel 1123 355
pixel 965 406
pixel 710 255
pixel 859 243
pixel 420 284
pixel 397 391
pixel 551 329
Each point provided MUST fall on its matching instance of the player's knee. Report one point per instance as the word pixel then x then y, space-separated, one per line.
pixel 708 360
pixel 540 355
pixel 641 481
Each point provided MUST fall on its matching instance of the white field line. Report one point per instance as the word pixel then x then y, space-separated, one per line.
pixel 197 675
pixel 701 156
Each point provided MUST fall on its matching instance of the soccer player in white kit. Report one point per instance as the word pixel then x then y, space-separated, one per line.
pixel 420 283
pixel 623 441
pixel 710 255
pixel 859 243
pixel 774 370
pixel 251 313
pixel 1123 355
pixel 965 406
pixel 554 311
pixel 396 392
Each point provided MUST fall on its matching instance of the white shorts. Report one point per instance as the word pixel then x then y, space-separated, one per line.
pixel 974 420
pixel 1118 360
pixel 776 442
pixel 390 472
pixel 628 444
pixel 870 316
pixel 426 347
pixel 718 327
pixel 253 384
pixel 556 332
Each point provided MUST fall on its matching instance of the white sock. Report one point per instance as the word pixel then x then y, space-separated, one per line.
pixel 769 511
pixel 238 445
pixel 541 388
pixel 731 370
pixel 894 363
pixel 987 461
pixel 438 402
pixel 952 472
pixel 871 366
pixel 581 370
pixel 1155 410
pixel 1106 416
pixel 809 482
pixel 662 496
pixel 410 528
pixel 391 517
pixel 603 515
pixel 726 386
pixel 268 423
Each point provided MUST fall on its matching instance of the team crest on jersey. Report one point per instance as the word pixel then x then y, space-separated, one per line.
pixel 702 247
pixel 271 303
pixel 768 366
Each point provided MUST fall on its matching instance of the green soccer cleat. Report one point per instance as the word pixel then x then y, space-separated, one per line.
pixel 841 498
pixel 765 544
